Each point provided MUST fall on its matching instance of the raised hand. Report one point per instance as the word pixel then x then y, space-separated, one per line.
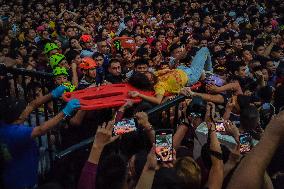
pixel 104 135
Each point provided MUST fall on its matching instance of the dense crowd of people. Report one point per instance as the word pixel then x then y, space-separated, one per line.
pixel 229 132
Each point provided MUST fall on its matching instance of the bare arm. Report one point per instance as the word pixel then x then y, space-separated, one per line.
pixel 77 119
pixel 230 87
pixel 46 126
pixel 216 173
pixel 251 170
pixel 154 99
pixel 179 135
pixel 219 99
pixel 32 106
pixel 147 176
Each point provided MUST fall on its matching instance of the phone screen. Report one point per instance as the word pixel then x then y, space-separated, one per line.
pixel 164 145
pixel 220 127
pixel 245 142
pixel 124 126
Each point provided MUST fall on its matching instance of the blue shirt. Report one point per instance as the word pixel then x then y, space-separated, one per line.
pixel 20 169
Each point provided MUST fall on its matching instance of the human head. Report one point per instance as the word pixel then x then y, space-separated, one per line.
pixel 175 50
pixel 99 57
pixel 60 75
pixel 142 81
pixel 188 172
pixel 88 67
pixel 114 67
pixel 196 111
pixel 50 49
pixel 112 168
pixel 249 118
pixel 13 109
pixel 141 65
pixel 58 60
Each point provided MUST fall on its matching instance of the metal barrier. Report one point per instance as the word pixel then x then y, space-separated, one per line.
pixel 16 78
pixel 153 112
pixel 15 82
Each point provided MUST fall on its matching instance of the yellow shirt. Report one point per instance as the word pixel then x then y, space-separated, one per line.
pixel 170 81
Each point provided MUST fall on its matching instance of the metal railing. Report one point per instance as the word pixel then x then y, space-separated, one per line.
pixel 156 111
pixel 19 75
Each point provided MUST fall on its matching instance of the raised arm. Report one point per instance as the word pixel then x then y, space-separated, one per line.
pixel 251 170
pixel 103 137
pixel 216 174
pixel 228 87
pixel 153 99
pixel 147 176
pixel 179 135
pixel 56 93
pixel 48 125
pixel 143 121
pixel 219 99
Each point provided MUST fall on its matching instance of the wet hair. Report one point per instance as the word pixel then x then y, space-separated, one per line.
pixel 141 81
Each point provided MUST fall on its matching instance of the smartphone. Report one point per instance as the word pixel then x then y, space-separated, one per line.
pixel 245 143
pixel 124 126
pixel 220 127
pixel 164 145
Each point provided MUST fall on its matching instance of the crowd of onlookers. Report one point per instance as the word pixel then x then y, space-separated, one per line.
pixel 234 49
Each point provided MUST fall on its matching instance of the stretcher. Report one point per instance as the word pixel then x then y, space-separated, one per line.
pixel 107 96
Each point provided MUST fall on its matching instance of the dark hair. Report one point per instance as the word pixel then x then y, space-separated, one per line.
pixel 141 81
pixel 279 98
pixel 140 61
pixel 139 162
pixel 173 47
pixel 113 60
pixel 197 105
pixel 249 117
pixel 71 55
pixel 111 170
pixel 11 109
pixel 265 94
pixel 243 101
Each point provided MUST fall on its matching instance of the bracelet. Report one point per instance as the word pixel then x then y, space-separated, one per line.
pixel 217 155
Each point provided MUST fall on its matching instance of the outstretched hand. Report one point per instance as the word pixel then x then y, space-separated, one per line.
pixel 186 91
pixel 58 91
pixel 133 94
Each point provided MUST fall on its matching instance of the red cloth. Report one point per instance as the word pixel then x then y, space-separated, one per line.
pixel 88 176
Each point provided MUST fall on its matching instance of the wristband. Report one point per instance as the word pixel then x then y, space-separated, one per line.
pixel 216 154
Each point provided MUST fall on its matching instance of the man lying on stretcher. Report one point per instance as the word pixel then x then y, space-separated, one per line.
pixel 171 80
